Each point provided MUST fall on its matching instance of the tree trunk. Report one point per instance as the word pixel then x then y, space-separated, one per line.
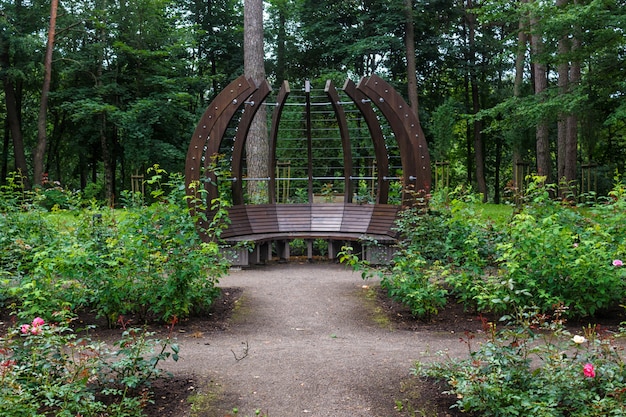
pixel 479 147
pixel 16 130
pixel 411 66
pixel 13 113
pixel 106 160
pixel 257 144
pixel 468 127
pixel 496 192
pixel 42 139
pixel 281 42
pixel 563 83
pixel 520 61
pixel 571 144
pixel 105 145
pixel 541 85
pixel 520 57
pixel 4 170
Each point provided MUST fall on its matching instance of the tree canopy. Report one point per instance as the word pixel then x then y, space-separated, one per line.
pixel 501 84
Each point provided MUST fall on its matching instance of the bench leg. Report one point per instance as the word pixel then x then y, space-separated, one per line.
pixel 282 250
pixel 334 247
pixel 309 249
pixel 268 253
pixel 256 254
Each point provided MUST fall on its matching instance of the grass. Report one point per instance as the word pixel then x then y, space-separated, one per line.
pixel 498 213
pixel 378 315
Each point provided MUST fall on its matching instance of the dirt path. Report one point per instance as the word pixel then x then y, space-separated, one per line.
pixel 304 341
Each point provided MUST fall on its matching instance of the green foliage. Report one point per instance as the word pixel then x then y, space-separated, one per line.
pixel 147 261
pixel 48 370
pixel 415 286
pixel 548 254
pixel 537 368
pixel 454 232
pixel 52 197
pixel 443 126
pixel 13 195
pixel 557 255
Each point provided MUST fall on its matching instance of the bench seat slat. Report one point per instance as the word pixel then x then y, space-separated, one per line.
pixel 321 220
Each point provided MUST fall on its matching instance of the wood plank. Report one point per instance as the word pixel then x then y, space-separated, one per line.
pixel 262 218
pixel 348 221
pixel 383 219
pixel 326 217
pixel 356 217
pixel 239 224
pixel 293 217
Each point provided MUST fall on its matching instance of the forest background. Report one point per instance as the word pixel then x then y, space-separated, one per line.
pixel 505 87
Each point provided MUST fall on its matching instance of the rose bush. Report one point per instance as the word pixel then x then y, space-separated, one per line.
pixel 536 368
pixel 144 260
pixel 47 370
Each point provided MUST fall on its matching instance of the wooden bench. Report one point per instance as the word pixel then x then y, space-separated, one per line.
pixel 337 223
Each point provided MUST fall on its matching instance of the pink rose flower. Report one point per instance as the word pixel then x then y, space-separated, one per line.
pixel 38 321
pixel 34 328
pixel 589 371
pixel 618 262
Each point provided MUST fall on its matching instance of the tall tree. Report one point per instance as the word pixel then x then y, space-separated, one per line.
pixel 479 147
pixel 518 83
pixel 540 78
pixel 567 125
pixel 15 127
pixel 571 142
pixel 411 67
pixel 257 144
pixel 40 151
pixel 18 22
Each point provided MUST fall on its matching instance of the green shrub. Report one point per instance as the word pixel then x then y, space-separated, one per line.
pixel 453 232
pixel 46 370
pixel 536 368
pixel 145 260
pixel 55 197
pixel 554 254
pixel 412 284
pixel 14 196
pixel 407 280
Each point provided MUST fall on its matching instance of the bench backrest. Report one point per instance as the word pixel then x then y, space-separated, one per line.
pixel 316 219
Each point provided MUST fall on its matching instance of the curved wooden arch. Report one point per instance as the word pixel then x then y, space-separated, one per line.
pixel 283 93
pixel 208 135
pixel 253 104
pixel 332 94
pixel 362 103
pixel 406 127
pixel 205 143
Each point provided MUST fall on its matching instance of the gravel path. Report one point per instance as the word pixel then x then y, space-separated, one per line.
pixel 303 342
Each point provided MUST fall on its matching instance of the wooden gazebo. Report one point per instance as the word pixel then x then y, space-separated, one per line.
pixel 269 222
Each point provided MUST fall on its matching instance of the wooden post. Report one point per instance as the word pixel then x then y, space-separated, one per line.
pixel 589 178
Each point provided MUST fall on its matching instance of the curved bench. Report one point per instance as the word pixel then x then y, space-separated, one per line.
pixel 264 224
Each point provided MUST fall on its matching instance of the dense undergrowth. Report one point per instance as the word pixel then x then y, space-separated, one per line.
pixel 536 265
pixel 543 253
pixel 547 261
pixel 145 260
pixel 61 254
